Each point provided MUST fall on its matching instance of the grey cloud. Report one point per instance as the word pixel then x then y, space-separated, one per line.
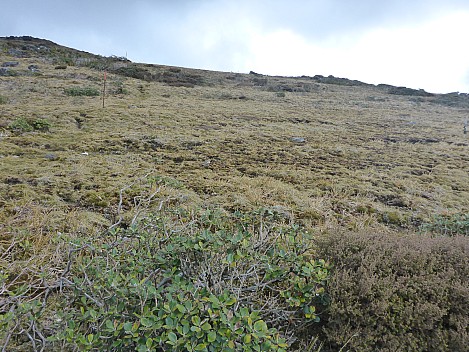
pixel 174 32
pixel 159 23
pixel 321 19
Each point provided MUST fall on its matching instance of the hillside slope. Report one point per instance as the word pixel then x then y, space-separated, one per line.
pixel 361 154
pixel 329 154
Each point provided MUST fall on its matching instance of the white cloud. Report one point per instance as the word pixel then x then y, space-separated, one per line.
pixel 419 44
pixel 432 56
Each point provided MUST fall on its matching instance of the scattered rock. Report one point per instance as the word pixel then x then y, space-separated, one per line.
pixel 156 144
pixel 282 212
pixel 260 82
pixel 51 157
pixel 79 121
pixel 13 181
pixel 43 48
pixel 33 68
pixel 337 80
pixel 6 72
pixel 81 61
pixel 191 144
pixel 427 195
pixel 409 91
pixel 392 200
pixel 16 53
pixel 422 140
pixel 10 64
pixel 298 140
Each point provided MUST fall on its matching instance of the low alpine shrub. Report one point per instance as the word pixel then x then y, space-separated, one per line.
pixel 397 293
pixel 82 91
pixel 209 282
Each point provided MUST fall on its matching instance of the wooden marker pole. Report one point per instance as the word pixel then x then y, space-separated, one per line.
pixel 104 87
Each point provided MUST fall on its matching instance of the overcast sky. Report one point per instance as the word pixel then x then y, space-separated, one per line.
pixel 418 44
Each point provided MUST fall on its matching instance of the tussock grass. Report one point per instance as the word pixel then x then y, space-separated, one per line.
pixel 370 160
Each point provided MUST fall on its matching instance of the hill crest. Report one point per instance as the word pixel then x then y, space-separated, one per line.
pixel 27 46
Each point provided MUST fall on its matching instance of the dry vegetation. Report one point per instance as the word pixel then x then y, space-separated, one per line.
pixel 329 157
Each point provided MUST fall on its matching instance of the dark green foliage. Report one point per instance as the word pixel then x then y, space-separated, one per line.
pixel 183 283
pixel 460 100
pixel 336 80
pixel 134 71
pixel 179 79
pixel 82 91
pixel 448 225
pixel 397 293
pixel 22 125
pixel 173 77
pixel 409 91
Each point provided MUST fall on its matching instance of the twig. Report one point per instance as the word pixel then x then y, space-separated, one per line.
pixel 350 339
pixel 9 337
pixel 121 199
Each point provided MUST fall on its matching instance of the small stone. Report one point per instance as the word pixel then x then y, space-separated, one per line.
pixel 33 68
pixel 10 64
pixel 16 53
pixel 52 157
pixel 13 181
pixel 298 140
pixel 5 71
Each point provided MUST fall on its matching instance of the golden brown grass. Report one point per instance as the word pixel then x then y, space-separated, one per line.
pixel 370 159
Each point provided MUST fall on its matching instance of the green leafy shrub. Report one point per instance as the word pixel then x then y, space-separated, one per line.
pixel 3 100
pixel 195 283
pixel 82 91
pixel 119 88
pixel 167 181
pixel 397 293
pixel 22 125
pixel 448 225
pixel 134 71
pixel 25 317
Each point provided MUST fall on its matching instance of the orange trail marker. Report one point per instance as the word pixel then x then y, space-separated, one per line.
pixel 104 87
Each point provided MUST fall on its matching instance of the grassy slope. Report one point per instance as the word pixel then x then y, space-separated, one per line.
pixel 368 154
pixel 371 159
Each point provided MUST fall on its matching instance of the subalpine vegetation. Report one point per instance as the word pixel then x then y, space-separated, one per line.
pixel 211 211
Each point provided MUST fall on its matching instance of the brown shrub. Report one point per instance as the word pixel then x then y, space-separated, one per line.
pixel 397 293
